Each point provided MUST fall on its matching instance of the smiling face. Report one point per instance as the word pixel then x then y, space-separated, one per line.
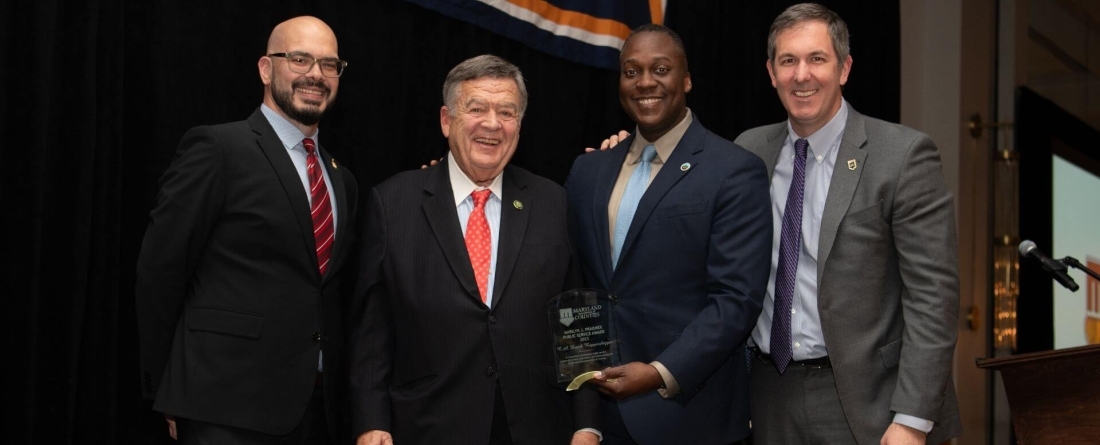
pixel 808 75
pixel 482 127
pixel 301 98
pixel 653 82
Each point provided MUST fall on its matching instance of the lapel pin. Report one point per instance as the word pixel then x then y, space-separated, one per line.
pixel 685 166
pixel 851 164
pixel 333 162
pixel 517 204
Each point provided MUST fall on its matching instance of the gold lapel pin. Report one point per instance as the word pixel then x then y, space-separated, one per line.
pixel 851 164
pixel 517 204
pixel 685 166
pixel 333 162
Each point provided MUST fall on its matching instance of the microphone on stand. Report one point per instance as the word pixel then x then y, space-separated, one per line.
pixel 1055 268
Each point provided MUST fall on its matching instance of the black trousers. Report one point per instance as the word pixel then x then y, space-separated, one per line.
pixel 313 430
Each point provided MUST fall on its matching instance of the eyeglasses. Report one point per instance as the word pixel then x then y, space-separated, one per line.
pixel 302 63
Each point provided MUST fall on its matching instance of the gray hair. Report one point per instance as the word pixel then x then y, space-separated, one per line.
pixel 811 12
pixel 486 65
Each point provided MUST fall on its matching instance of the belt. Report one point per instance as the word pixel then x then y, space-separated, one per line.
pixel 813 363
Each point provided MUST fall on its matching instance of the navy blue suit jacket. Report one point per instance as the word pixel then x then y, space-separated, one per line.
pixel 690 281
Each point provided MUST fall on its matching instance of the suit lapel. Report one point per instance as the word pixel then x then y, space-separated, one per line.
pixel 843 184
pixel 513 229
pixel 605 181
pixel 338 188
pixel 439 208
pixel 770 154
pixel 671 173
pixel 277 155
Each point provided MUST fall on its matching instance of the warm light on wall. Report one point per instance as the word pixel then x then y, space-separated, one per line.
pixel 1006 259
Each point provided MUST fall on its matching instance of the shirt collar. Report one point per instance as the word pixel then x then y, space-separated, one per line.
pixel 288 134
pixel 664 144
pixel 824 139
pixel 462 185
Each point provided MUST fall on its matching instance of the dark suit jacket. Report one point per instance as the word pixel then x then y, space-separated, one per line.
pixel 427 353
pixel 232 310
pixel 888 287
pixel 690 281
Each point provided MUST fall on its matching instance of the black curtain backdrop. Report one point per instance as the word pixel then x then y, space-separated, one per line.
pixel 98 93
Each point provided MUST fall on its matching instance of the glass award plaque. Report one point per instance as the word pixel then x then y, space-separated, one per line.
pixel 580 326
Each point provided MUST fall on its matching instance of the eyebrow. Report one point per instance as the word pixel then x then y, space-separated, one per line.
pixel 812 53
pixel 480 101
pixel 655 59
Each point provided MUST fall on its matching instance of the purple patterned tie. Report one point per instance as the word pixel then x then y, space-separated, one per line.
pixel 790 242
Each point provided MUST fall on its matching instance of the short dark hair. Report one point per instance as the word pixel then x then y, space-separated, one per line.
pixel 656 27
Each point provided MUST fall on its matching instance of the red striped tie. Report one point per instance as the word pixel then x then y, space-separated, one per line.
pixel 320 208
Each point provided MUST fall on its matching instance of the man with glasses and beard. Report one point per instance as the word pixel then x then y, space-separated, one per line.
pixel 237 295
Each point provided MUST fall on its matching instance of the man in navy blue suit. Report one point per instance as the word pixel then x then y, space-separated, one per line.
pixel 675 224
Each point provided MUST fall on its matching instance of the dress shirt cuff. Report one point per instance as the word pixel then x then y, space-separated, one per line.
pixel 597 432
pixel 916 423
pixel 671 389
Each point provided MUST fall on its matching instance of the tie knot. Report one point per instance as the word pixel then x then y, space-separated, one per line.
pixel 480 196
pixel 308 144
pixel 648 153
pixel 800 147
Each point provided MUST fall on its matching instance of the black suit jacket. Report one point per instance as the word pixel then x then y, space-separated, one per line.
pixel 427 353
pixel 232 310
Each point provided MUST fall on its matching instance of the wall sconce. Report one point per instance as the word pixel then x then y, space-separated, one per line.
pixel 1006 258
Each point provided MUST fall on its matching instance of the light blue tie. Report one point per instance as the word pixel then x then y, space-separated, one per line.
pixel 635 188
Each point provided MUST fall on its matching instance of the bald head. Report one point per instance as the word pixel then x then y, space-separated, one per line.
pixel 300 93
pixel 298 29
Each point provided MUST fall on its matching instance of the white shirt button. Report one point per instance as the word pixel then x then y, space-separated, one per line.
pixel 793 310
pixel 797 345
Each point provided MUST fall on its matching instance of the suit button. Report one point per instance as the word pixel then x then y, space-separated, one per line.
pixel 492 319
pixel 614 298
pixel 490 371
pixel 316 336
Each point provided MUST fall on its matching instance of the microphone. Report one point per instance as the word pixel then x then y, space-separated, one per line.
pixel 1055 268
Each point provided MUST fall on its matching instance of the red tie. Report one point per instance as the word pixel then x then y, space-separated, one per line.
pixel 320 208
pixel 479 242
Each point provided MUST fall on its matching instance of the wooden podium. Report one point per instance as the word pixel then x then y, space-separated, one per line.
pixel 1053 396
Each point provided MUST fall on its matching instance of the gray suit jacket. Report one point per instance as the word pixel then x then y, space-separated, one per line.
pixel 888 288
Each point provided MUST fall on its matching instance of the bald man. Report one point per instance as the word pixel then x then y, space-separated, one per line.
pixel 239 274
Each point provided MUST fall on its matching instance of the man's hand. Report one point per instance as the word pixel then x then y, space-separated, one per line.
pixel 171 425
pixel 898 434
pixel 585 438
pixel 611 141
pixel 375 437
pixel 627 380
pixel 431 163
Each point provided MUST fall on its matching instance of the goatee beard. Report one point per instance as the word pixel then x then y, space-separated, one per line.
pixel 310 114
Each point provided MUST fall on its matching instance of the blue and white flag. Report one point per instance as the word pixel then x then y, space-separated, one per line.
pixel 589 32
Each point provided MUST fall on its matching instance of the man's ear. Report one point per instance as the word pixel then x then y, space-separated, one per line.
pixel 264 65
pixel 445 121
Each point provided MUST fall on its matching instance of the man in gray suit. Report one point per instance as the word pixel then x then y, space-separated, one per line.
pixel 858 330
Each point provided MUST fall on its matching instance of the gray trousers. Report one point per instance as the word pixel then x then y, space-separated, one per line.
pixel 800 407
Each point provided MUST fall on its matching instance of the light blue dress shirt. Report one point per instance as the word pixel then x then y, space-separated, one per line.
pixel 291 138
pixel 808 340
pixel 462 187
